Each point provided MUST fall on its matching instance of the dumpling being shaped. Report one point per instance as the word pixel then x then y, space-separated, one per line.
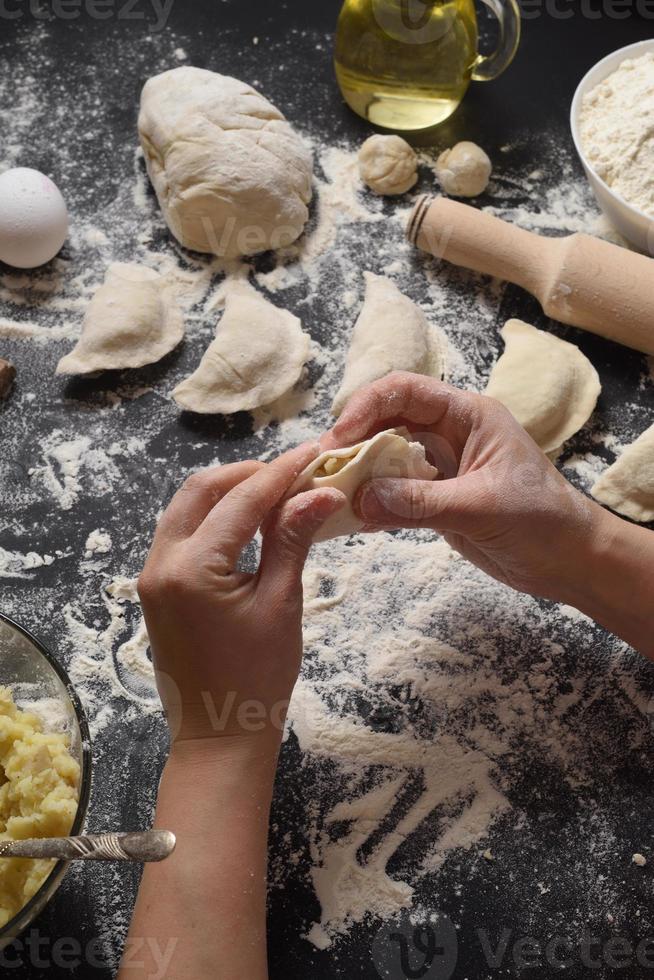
pixel 132 320
pixel 391 334
pixel 388 454
pixel 548 385
pixel 258 355
pixel 628 486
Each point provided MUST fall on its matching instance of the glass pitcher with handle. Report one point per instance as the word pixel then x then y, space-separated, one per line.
pixel 405 65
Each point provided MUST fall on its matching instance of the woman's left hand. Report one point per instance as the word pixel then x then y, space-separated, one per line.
pixel 227 646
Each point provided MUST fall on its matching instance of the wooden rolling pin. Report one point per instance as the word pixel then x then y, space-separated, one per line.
pixel 579 280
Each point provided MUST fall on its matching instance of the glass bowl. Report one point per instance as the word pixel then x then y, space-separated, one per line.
pixel 38 683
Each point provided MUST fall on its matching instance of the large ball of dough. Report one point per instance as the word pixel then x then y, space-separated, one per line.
pixel 464 171
pixel 388 165
pixel 231 175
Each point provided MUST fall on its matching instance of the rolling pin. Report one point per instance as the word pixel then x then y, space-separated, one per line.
pixel 578 279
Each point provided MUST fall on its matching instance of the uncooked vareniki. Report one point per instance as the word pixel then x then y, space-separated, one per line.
pixel 132 320
pixel 388 454
pixel 391 334
pixel 628 486
pixel 548 385
pixel 257 356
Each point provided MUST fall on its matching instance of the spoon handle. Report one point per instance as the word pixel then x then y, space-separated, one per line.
pixel 146 847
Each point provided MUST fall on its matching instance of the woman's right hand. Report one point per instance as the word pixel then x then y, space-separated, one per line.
pixel 501 503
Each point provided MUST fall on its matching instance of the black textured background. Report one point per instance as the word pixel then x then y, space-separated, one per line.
pixel 535 95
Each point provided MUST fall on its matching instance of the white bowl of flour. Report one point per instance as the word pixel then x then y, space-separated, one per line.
pixel 613 130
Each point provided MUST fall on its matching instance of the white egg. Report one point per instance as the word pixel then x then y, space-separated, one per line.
pixel 33 218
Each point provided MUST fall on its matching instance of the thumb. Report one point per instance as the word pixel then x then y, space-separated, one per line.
pixel 440 505
pixel 289 535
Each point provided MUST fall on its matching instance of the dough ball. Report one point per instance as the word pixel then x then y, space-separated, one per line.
pixel 388 165
pixel 231 175
pixel 464 171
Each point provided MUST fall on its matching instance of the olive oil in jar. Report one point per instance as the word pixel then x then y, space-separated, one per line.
pixel 405 65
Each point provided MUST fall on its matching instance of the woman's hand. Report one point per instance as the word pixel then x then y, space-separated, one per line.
pixel 501 502
pixel 226 645
pixel 503 505
pixel 227 648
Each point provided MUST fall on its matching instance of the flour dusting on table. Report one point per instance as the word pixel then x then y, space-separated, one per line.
pixel 429 692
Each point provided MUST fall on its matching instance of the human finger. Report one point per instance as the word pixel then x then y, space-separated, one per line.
pixel 196 498
pixel 289 536
pixel 442 505
pixel 402 398
pixel 235 519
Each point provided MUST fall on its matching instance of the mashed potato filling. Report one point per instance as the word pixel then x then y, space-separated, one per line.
pixel 39 783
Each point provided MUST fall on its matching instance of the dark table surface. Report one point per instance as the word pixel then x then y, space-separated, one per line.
pixel 99 67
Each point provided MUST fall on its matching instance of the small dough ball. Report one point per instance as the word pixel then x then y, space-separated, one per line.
pixel 464 171
pixel 388 165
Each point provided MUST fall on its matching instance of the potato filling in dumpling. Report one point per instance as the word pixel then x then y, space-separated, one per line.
pixel 389 454
pixel 334 465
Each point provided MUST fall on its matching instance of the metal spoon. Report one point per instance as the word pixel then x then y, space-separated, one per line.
pixel 149 846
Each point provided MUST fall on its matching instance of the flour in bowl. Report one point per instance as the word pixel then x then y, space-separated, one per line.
pixel 617 131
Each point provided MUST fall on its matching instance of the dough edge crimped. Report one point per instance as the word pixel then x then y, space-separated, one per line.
pixel 380 456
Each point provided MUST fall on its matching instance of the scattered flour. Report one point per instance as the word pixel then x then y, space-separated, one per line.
pixel 370 612
pixel 15 565
pixel 98 543
pixel 428 691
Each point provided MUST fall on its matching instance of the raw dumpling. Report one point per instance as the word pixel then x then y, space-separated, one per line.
pixel 628 486
pixel 550 387
pixel 132 320
pixel 388 454
pixel 231 175
pixel 391 334
pixel 257 356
